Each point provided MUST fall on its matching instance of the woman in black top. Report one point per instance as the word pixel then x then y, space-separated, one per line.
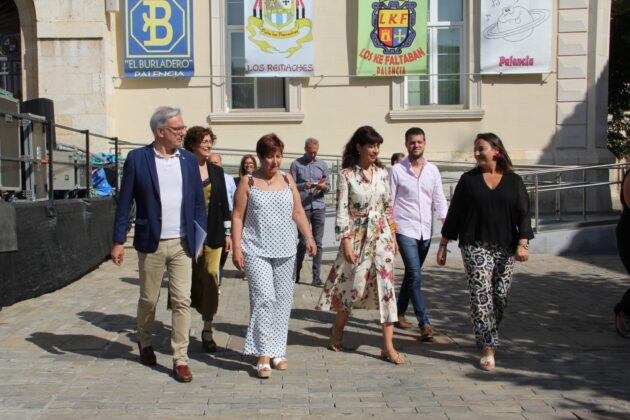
pixel 622 309
pixel 205 280
pixel 489 213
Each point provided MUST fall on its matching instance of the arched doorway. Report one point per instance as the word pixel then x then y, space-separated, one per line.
pixel 10 50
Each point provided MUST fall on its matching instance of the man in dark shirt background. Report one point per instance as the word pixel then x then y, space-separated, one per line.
pixel 312 181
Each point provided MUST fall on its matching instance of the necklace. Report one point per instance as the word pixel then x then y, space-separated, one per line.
pixel 270 180
pixel 370 172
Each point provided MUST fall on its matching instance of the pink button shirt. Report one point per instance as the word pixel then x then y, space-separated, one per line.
pixel 413 197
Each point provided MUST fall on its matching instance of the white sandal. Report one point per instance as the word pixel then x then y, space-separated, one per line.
pixel 263 370
pixel 279 363
pixel 487 362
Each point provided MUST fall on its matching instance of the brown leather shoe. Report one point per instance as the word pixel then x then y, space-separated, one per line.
pixel 402 323
pixel 147 356
pixel 182 373
pixel 208 345
pixel 426 333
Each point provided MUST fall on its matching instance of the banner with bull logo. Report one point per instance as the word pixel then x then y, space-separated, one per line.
pixel 279 38
pixel 392 38
pixel 516 36
pixel 158 38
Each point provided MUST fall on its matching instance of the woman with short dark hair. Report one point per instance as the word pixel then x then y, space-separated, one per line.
pixel 267 208
pixel 362 276
pixel 489 214
pixel 205 276
pixel 397 157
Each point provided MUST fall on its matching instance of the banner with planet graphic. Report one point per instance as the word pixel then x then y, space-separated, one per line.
pixel 392 38
pixel 515 36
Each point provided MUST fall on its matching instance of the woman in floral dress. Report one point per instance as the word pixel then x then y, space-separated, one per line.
pixel 363 274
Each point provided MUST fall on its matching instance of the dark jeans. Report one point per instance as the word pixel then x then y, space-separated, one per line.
pixel 316 218
pixel 413 253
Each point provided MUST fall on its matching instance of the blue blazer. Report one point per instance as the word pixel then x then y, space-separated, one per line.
pixel 140 183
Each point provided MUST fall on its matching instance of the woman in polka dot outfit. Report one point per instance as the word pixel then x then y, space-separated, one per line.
pixel 267 208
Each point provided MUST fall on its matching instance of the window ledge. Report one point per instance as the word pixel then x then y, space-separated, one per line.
pixel 238 117
pixel 436 114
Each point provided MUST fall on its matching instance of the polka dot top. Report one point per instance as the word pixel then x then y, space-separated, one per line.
pixel 269 230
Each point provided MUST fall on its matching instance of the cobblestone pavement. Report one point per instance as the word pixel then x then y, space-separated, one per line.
pixel 72 354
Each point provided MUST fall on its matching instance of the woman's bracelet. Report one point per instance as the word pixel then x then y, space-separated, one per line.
pixel 393 227
pixel 445 246
pixel 525 245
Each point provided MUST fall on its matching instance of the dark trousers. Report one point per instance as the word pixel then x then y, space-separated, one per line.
pixel 316 218
pixel 623 246
pixel 413 253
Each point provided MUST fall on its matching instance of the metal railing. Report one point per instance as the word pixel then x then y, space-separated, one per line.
pixel 231 158
pixel 539 179
pixel 572 179
pixel 543 179
pixel 50 150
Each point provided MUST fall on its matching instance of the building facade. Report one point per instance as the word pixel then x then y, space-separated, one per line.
pixel 72 52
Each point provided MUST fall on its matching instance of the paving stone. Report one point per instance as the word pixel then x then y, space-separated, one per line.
pixel 72 354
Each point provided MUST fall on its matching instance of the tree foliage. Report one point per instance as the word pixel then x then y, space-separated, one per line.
pixel 619 80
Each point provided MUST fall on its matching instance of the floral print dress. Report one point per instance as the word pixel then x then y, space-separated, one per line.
pixel 364 214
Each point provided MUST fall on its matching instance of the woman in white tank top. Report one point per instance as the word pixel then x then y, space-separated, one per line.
pixel 267 208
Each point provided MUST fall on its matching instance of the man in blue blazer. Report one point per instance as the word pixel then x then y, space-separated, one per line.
pixel 164 181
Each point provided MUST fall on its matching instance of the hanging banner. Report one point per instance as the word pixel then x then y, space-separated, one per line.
pixel 392 38
pixel 515 36
pixel 279 38
pixel 158 38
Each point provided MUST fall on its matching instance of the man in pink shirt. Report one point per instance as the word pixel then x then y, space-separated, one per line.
pixel 416 186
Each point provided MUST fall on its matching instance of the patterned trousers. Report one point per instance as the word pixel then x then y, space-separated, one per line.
pixel 270 300
pixel 489 271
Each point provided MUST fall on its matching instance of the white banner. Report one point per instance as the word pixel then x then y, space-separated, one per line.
pixel 279 38
pixel 515 36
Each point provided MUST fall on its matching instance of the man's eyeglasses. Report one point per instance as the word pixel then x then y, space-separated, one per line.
pixel 176 130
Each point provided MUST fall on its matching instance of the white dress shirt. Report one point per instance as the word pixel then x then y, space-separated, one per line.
pixel 413 197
